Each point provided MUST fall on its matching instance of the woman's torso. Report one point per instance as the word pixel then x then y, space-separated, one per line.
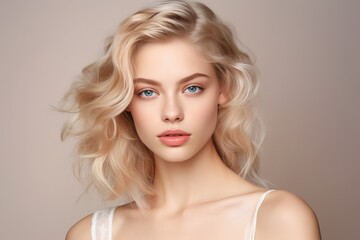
pixel 230 218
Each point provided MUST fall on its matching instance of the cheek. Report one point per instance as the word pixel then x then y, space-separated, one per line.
pixel 142 117
pixel 204 113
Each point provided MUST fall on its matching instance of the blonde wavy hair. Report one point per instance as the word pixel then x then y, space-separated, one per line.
pixel 120 163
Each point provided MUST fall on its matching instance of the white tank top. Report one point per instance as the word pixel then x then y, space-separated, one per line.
pixel 101 223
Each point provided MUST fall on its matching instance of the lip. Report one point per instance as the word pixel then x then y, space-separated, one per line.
pixel 174 138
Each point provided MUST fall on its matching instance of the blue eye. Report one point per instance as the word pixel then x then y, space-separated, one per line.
pixel 147 93
pixel 193 89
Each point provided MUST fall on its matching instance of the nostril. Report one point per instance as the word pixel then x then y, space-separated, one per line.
pixel 173 115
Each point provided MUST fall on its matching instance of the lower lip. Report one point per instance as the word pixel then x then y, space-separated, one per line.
pixel 174 141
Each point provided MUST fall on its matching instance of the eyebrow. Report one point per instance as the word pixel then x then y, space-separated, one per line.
pixel 181 81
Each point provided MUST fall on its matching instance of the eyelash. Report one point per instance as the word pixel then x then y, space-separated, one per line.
pixel 199 89
pixel 143 92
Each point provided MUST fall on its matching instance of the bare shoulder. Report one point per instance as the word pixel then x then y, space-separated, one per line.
pixel 80 230
pixel 284 215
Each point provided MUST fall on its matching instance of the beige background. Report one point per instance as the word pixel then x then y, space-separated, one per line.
pixel 308 53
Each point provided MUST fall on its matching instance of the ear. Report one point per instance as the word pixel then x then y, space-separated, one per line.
pixel 222 97
pixel 128 108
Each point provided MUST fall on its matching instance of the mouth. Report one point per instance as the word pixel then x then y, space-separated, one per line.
pixel 174 138
pixel 173 133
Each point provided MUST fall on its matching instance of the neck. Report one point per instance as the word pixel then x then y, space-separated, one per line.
pixel 202 178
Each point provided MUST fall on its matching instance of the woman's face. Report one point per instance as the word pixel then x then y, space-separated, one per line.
pixel 176 99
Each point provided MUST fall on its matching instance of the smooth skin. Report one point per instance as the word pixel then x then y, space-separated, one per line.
pixel 197 196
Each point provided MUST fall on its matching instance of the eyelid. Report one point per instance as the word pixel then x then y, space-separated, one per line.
pixel 141 91
pixel 200 88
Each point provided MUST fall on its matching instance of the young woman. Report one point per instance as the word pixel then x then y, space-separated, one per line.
pixel 165 119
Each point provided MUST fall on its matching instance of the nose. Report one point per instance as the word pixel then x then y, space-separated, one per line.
pixel 172 110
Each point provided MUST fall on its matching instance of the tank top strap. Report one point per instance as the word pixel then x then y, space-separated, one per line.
pixel 252 227
pixel 101 224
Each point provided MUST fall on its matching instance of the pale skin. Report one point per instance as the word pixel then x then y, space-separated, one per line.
pixel 197 196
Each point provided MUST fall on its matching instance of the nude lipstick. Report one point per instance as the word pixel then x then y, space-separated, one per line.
pixel 174 138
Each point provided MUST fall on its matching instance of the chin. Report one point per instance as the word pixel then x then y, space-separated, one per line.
pixel 174 159
pixel 175 155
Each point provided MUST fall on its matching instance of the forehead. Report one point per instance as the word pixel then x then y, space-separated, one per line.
pixel 171 59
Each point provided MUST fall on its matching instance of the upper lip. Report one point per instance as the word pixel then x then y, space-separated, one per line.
pixel 173 132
